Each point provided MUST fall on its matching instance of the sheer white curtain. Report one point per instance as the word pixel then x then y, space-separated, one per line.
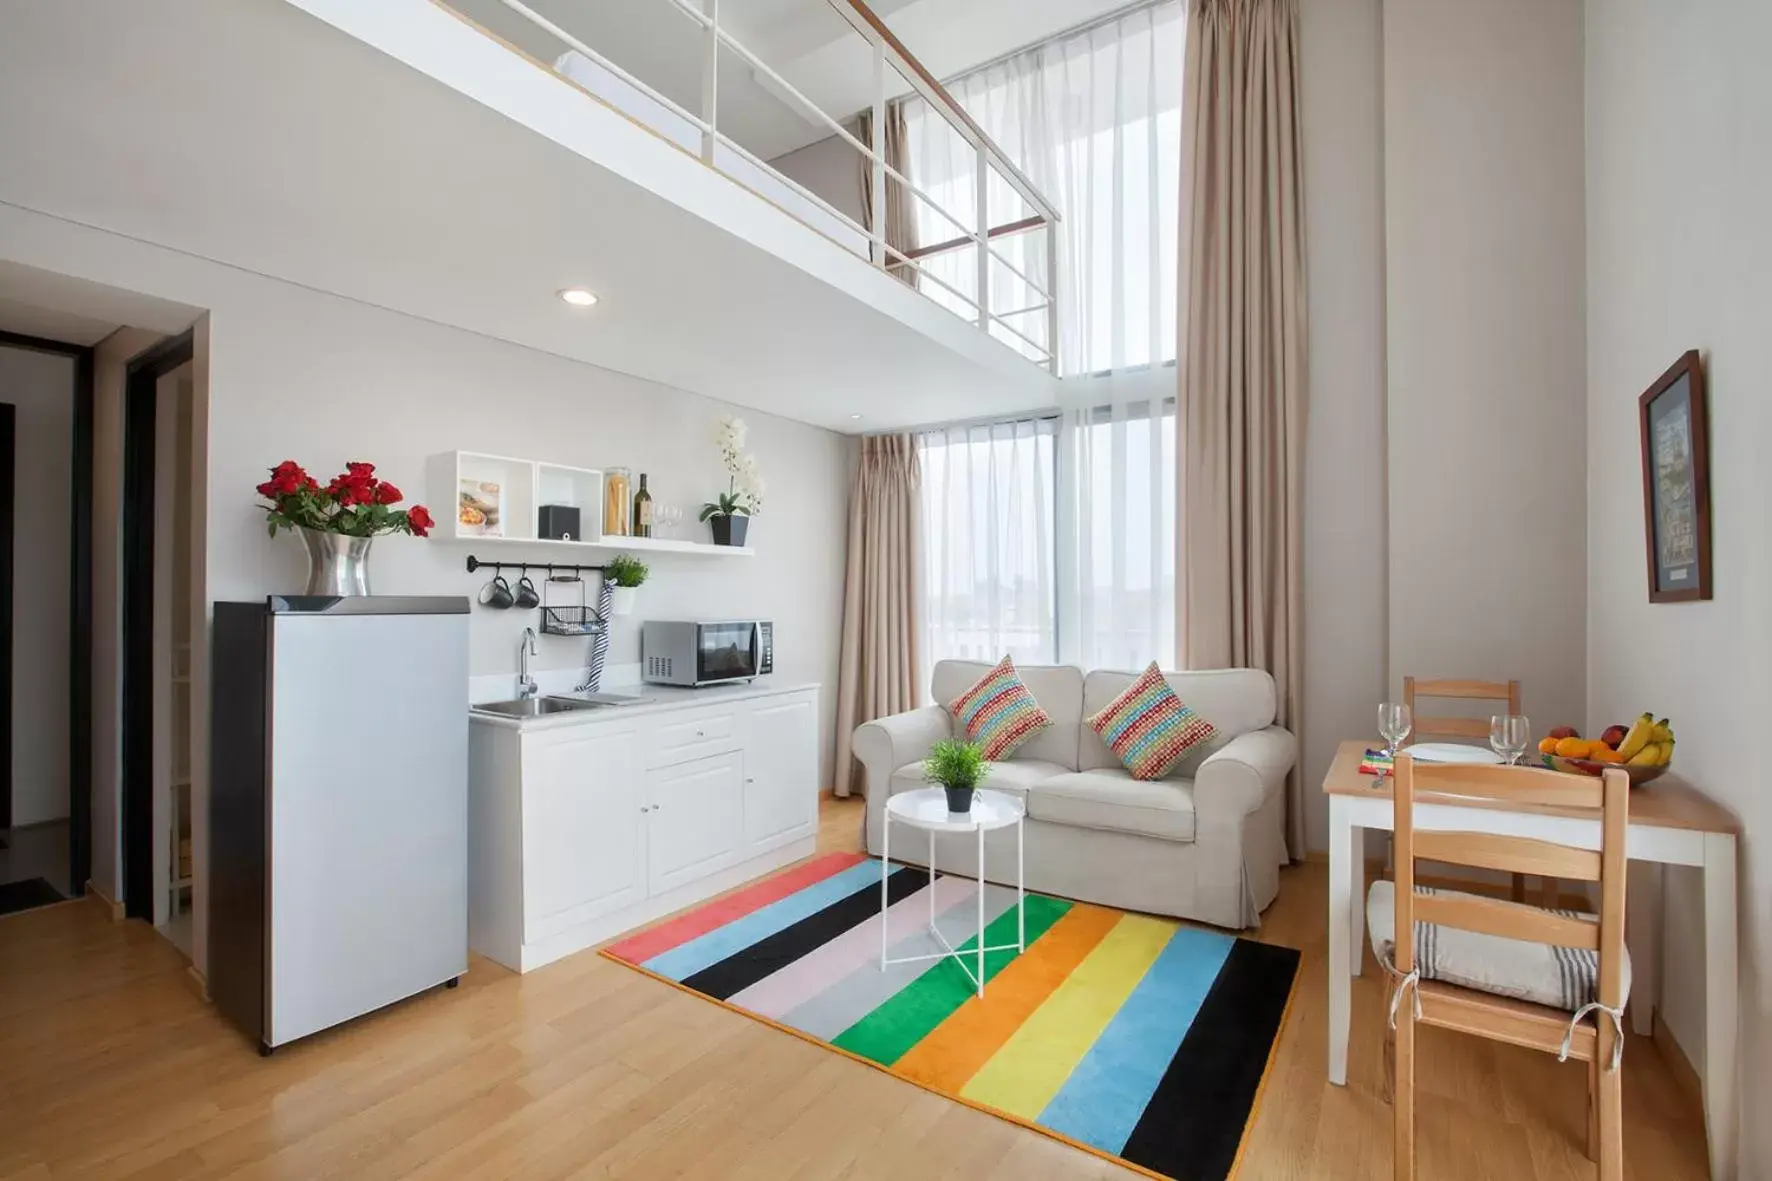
pixel 1094 120
pixel 1117 535
pixel 988 501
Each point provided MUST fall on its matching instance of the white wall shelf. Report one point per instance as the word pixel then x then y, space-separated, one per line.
pixel 519 487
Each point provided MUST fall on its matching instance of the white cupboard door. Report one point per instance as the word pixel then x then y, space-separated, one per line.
pixel 584 845
pixel 697 819
pixel 781 773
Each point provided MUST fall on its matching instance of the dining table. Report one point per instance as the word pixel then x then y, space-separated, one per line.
pixel 1671 823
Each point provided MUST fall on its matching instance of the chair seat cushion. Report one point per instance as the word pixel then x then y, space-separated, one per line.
pixel 1562 977
pixel 1115 801
pixel 1013 776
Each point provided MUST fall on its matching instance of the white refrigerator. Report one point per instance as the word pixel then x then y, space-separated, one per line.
pixel 338 808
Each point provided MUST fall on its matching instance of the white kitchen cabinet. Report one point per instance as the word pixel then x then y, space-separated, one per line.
pixel 780 759
pixel 583 826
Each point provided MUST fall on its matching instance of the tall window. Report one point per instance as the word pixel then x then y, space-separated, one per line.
pixel 1052 539
pixel 1094 120
pixel 989 580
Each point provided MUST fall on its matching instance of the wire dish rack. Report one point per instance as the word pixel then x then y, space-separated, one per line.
pixel 579 620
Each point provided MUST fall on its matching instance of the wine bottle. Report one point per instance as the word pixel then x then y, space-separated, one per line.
pixel 642 510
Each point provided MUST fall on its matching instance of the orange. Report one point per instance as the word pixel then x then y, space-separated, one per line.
pixel 1607 755
pixel 1574 748
pixel 1548 746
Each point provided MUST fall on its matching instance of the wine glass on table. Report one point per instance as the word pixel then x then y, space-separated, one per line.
pixel 1395 724
pixel 1509 735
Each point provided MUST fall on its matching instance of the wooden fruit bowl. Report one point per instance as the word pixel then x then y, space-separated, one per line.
pixel 1638 775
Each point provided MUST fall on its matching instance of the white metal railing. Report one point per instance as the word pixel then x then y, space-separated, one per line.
pixel 887 50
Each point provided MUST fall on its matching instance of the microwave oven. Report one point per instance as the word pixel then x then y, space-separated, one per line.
pixel 695 652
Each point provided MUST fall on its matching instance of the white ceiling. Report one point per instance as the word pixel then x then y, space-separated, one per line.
pixel 249 133
pixel 806 41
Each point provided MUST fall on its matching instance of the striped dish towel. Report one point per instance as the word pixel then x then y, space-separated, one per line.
pixel 1377 762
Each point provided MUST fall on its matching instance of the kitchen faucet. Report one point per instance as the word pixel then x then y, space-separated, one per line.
pixel 526 686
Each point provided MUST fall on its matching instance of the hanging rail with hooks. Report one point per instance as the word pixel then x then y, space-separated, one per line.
pixel 475 564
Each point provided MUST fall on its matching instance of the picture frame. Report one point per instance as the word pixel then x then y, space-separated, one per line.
pixel 1673 422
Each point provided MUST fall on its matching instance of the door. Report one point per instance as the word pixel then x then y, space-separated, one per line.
pixel 781 773
pixel 584 844
pixel 697 819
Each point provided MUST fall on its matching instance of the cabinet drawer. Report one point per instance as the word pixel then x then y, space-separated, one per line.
pixel 678 738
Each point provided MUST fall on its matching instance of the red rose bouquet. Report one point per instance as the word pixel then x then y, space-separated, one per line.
pixel 354 503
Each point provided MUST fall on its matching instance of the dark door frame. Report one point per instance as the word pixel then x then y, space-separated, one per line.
pixel 80 618
pixel 135 802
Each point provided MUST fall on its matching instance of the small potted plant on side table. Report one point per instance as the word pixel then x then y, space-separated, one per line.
pixel 957 766
pixel 625 574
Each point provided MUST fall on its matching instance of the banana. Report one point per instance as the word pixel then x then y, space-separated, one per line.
pixel 1667 752
pixel 1648 756
pixel 1642 732
pixel 1663 732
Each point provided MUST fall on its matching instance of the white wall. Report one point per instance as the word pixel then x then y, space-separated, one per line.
pixel 1486 360
pixel 40 386
pixel 1344 510
pixel 1679 106
pixel 292 373
pixel 830 168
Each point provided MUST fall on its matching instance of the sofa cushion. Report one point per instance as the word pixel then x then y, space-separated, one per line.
pixel 1149 728
pixel 1057 687
pixel 1235 700
pixel 998 712
pixel 1013 776
pixel 1115 801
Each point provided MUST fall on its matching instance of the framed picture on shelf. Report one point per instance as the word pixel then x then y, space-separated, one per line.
pixel 480 508
pixel 1676 483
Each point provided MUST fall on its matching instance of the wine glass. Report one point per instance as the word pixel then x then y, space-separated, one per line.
pixel 1394 723
pixel 1509 735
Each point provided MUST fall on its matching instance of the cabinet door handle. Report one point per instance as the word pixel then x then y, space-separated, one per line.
pixel 700 734
pixel 750 779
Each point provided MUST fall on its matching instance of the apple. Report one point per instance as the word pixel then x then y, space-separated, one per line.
pixel 1565 732
pixel 1613 736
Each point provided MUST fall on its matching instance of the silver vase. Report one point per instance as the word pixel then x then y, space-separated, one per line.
pixel 338 565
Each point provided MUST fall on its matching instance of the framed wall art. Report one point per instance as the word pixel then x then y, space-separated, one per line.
pixel 1676 483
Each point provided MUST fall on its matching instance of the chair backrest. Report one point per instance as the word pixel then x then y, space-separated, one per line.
pixel 1461 690
pixel 1608 799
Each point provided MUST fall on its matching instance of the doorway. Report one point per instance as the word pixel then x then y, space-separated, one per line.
pixel 148 855
pixel 46 425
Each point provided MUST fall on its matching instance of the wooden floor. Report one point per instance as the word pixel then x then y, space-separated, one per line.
pixel 110 1066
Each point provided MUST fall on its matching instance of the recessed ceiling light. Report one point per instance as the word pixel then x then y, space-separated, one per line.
pixel 855 417
pixel 578 297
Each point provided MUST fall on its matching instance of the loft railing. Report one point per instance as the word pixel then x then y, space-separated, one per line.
pixel 989 160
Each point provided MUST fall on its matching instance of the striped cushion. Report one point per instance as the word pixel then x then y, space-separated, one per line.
pixel 1149 728
pixel 998 713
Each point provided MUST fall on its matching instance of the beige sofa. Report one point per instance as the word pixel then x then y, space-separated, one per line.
pixel 1205 844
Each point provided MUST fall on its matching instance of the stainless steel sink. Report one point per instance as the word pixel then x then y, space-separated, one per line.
pixel 534 707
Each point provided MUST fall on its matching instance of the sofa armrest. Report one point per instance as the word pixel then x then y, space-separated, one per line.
pixel 1237 779
pixel 885 745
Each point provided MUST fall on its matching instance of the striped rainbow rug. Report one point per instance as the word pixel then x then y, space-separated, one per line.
pixel 1136 1038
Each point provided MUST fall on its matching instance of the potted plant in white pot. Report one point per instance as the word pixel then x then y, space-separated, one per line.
pixel 625 574
pixel 729 514
pixel 958 767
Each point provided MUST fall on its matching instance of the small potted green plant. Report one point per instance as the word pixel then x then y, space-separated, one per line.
pixel 625 574
pixel 957 766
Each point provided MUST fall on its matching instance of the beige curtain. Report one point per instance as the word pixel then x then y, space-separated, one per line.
pixel 878 673
pixel 901 219
pixel 1242 339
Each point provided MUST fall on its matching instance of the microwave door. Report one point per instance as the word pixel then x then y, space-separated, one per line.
pixel 723 652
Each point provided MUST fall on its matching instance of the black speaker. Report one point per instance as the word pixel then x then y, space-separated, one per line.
pixel 559 522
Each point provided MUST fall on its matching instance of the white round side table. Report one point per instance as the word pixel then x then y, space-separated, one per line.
pixel 927 809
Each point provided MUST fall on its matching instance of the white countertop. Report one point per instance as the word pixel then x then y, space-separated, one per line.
pixel 659 699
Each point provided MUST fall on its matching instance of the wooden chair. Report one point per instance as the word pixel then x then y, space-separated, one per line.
pixel 1502 693
pixel 1418 998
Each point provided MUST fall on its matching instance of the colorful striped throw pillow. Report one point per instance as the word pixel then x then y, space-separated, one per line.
pixel 1149 728
pixel 998 713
